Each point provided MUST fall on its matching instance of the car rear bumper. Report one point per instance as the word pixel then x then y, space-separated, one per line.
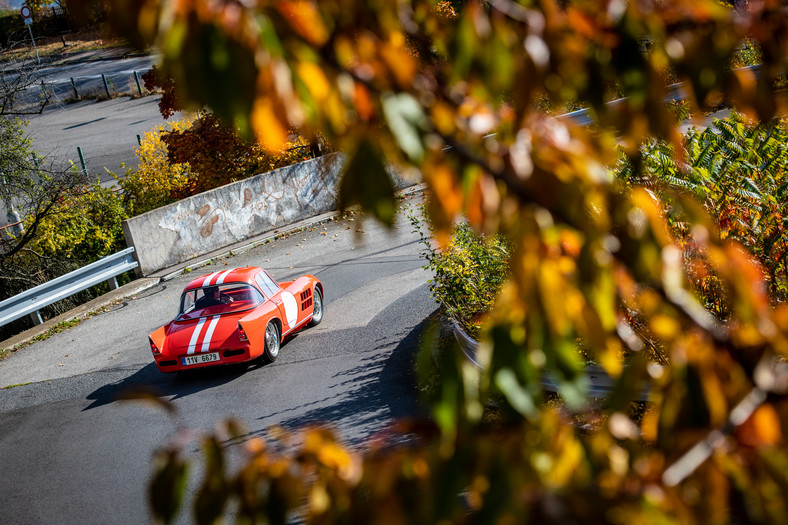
pixel 227 356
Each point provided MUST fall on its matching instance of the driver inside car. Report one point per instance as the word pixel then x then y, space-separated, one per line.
pixel 212 297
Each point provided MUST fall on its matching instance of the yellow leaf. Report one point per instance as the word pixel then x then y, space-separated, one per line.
pixel 268 130
pixel 443 118
pixel 665 327
pixel 554 297
pixel 446 196
pixel 362 101
pixel 762 429
pixel 319 499
pixel 400 60
pixel 313 77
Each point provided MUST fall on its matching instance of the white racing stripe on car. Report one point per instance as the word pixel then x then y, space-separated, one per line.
pixel 206 342
pixel 224 275
pixel 207 280
pixel 195 336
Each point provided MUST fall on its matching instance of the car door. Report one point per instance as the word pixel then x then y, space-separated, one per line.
pixel 284 301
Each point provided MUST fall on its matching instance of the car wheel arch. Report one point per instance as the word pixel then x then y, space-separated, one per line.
pixel 278 323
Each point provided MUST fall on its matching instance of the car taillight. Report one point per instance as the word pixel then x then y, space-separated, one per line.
pixel 242 334
pixel 153 348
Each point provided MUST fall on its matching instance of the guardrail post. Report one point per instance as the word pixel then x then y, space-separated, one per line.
pixel 82 161
pixel 36 317
pixel 74 85
pixel 106 86
pixel 113 283
pixel 139 86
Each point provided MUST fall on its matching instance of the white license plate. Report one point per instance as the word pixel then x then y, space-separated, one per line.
pixel 200 359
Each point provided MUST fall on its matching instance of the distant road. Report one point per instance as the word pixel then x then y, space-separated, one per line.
pixel 105 131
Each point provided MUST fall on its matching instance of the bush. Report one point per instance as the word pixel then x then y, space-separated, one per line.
pixel 156 180
pixel 217 155
pixel 86 226
pixel 739 174
pixel 468 273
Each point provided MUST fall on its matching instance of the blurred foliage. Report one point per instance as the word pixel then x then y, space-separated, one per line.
pixel 216 153
pixel 424 89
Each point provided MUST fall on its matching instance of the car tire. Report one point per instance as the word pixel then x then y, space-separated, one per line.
pixel 317 308
pixel 272 342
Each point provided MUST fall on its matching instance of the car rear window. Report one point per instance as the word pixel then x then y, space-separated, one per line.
pixel 218 300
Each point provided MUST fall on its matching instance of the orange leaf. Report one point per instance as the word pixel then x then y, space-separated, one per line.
pixel 762 429
pixel 305 19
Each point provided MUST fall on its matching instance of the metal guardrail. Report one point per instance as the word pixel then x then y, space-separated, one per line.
pixel 31 301
pixel 600 384
pixel 582 117
pixel 676 92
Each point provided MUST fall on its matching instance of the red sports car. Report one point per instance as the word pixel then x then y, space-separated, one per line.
pixel 234 316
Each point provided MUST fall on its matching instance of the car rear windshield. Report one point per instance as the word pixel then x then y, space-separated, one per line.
pixel 217 300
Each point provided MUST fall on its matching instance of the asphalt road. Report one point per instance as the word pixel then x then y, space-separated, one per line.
pixel 105 131
pixel 71 453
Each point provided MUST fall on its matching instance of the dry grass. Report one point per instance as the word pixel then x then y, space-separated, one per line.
pixel 76 42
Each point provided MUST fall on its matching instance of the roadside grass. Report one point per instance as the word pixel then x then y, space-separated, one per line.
pixel 70 44
pixel 58 328
pixel 14 386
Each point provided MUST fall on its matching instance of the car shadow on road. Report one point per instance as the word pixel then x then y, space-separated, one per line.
pixel 149 381
pixel 382 390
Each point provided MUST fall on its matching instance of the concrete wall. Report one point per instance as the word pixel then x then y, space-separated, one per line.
pixel 200 224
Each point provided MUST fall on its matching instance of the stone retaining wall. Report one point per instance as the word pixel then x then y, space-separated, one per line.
pixel 212 220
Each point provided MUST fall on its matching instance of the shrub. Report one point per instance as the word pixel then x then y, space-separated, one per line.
pixel 739 173
pixel 467 274
pixel 218 155
pixel 86 226
pixel 156 180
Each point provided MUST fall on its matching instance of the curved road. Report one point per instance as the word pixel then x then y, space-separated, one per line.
pixel 71 453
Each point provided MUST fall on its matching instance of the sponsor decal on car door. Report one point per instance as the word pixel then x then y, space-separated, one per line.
pixel 288 309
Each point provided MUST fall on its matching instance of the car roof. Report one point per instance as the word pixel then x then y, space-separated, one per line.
pixel 232 275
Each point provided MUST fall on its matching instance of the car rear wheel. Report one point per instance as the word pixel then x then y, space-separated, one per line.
pixel 317 308
pixel 271 342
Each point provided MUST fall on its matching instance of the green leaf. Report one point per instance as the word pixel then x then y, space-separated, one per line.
pixel 213 494
pixel 167 487
pixel 518 397
pixel 367 183
pixel 406 120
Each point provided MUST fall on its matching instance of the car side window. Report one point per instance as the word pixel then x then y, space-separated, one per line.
pixel 266 284
pixel 187 302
